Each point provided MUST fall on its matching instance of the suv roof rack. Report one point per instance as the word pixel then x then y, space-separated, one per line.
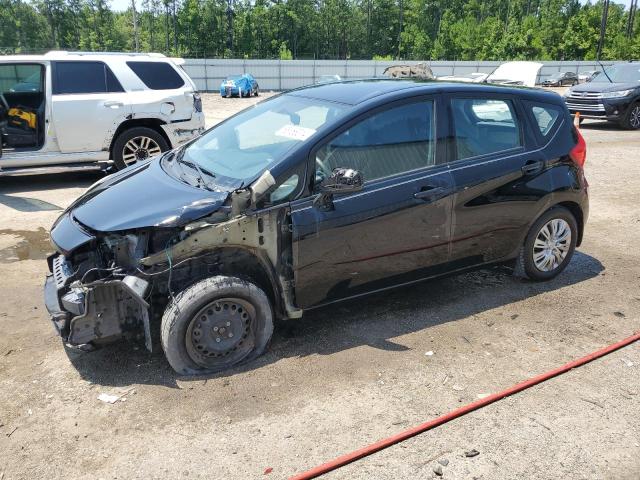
pixel 53 53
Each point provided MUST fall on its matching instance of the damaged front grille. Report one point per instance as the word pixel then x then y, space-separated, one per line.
pixel 61 270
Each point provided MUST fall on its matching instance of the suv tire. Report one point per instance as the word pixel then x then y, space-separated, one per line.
pixel 549 245
pixel 631 120
pixel 137 143
pixel 215 324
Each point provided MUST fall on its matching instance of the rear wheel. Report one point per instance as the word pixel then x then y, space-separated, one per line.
pixel 215 324
pixel 549 245
pixel 136 144
pixel 631 120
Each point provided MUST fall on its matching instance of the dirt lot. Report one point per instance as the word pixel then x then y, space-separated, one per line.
pixel 346 375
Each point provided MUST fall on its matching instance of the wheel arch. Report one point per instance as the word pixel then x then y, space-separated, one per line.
pixel 577 212
pixel 242 262
pixel 152 123
pixel 573 207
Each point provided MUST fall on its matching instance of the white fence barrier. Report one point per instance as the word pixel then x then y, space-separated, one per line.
pixel 288 74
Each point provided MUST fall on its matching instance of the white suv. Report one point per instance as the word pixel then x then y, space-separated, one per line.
pixel 79 111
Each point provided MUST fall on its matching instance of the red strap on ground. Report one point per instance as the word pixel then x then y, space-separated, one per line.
pixel 459 412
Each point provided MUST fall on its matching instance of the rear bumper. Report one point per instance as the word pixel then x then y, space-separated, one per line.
pixel 181 132
pixel 229 91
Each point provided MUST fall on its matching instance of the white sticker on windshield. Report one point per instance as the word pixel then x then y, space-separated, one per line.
pixel 295 132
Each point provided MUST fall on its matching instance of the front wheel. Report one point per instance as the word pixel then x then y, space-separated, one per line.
pixel 136 144
pixel 549 245
pixel 631 120
pixel 216 324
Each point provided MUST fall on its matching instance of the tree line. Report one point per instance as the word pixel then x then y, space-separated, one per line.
pixel 326 29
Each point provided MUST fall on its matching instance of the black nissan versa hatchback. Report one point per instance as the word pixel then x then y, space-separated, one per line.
pixel 317 195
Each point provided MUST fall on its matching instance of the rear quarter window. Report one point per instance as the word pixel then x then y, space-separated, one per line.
pixel 157 75
pixel 546 117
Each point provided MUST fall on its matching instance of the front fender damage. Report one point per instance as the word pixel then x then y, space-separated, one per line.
pixel 265 235
pixel 117 286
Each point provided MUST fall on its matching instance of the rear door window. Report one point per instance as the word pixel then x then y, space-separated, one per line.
pixel 84 77
pixel 393 141
pixel 157 75
pixel 484 126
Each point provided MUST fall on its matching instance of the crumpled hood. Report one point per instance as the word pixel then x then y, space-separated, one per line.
pixel 143 196
pixel 600 87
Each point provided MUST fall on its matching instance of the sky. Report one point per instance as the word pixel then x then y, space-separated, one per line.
pixel 121 5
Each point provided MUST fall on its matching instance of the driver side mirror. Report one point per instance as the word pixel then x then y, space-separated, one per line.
pixel 341 181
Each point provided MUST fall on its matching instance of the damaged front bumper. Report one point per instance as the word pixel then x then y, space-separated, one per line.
pixel 87 315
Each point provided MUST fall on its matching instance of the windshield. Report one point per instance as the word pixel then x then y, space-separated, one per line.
pixel 627 73
pixel 241 148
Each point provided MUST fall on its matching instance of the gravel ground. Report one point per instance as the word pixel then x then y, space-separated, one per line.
pixel 346 375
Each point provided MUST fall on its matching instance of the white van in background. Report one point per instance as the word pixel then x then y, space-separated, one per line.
pixel 69 111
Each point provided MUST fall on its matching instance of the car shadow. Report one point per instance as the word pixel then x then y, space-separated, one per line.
pixel 54 181
pixel 374 321
pixel 600 125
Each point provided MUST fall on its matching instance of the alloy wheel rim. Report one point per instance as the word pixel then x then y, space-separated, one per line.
pixel 634 120
pixel 552 245
pixel 140 148
pixel 222 332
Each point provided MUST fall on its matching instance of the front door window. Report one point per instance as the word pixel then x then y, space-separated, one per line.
pixel 394 141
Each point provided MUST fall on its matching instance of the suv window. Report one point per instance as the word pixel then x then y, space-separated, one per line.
pixel 546 116
pixel 21 78
pixel 397 140
pixel 484 126
pixel 157 75
pixel 84 77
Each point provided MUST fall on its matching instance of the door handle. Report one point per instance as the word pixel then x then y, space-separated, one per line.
pixel 427 193
pixel 113 104
pixel 532 167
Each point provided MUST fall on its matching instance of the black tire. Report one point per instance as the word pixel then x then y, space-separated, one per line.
pixel 200 314
pixel 526 265
pixel 257 91
pixel 631 119
pixel 131 135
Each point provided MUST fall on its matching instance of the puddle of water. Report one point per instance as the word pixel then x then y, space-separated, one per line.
pixel 29 245
pixel 26 204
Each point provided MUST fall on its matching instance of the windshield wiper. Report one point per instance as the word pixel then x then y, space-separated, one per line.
pixel 604 71
pixel 201 171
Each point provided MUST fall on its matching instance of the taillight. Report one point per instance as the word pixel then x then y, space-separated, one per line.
pixel 579 152
pixel 197 102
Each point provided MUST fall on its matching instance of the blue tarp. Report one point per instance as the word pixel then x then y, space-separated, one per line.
pixel 237 83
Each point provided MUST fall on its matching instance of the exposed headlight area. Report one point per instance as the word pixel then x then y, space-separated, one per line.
pixel 98 292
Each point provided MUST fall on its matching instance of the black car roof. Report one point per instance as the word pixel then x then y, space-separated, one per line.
pixel 353 92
